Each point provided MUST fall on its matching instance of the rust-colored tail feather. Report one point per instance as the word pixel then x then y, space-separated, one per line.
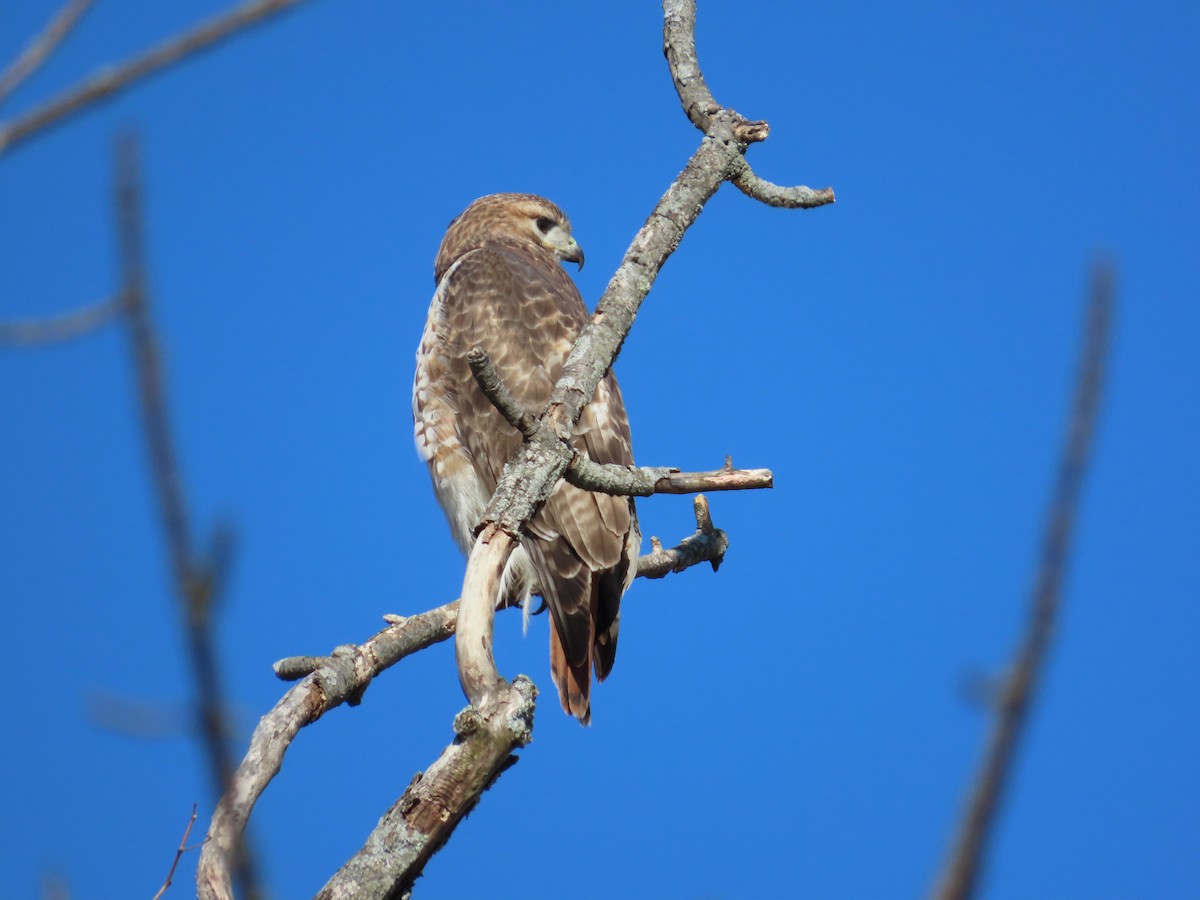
pixel 573 682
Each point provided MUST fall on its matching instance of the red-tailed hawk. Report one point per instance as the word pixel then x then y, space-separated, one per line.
pixel 500 286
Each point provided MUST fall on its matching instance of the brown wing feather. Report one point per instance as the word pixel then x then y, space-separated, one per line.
pixel 526 313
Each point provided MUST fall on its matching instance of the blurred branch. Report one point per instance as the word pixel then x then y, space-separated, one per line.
pixel 194 581
pixel 111 79
pixel 178 855
pixel 63 327
pixel 960 876
pixel 40 49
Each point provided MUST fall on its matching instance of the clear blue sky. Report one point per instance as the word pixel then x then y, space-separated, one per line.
pixel 796 725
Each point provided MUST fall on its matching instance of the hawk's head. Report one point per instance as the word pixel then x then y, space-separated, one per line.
pixel 525 219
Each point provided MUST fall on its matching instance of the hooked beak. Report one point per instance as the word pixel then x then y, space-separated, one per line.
pixel 573 253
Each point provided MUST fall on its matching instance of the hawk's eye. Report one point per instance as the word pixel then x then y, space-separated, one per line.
pixel 544 225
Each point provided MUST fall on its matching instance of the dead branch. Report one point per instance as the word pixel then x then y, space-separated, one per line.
pixel 343 676
pixel 42 47
pixel 111 79
pixel 679 46
pixel 494 389
pixel 63 327
pixel 422 820
pixel 178 855
pixel 708 544
pixel 528 481
pixel 960 876
pixel 499 718
pixel 195 582
pixel 637 481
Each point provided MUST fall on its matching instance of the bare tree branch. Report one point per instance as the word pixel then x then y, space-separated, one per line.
pixel 343 676
pixel 178 854
pixel 195 582
pixel 497 391
pixel 708 544
pixel 422 820
pixel 679 45
pixel 41 48
pixel 798 197
pixel 643 481
pixel 63 327
pixel 637 481
pixel 498 721
pixel 111 79
pixel 528 482
pixel 960 876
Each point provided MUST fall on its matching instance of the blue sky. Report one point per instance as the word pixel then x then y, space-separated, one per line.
pixel 796 725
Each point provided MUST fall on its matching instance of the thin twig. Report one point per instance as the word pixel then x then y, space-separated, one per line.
pixel 40 49
pixel 111 79
pixel 62 327
pixel 194 582
pixel 178 854
pixel 798 197
pixel 961 874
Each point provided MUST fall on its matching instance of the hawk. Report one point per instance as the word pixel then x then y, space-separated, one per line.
pixel 500 286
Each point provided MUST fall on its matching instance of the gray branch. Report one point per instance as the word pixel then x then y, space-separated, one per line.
pixel 798 197
pixel 111 79
pixel 63 327
pixel 639 481
pixel 495 390
pixel 499 719
pixel 42 47
pixel 341 678
pixel 960 876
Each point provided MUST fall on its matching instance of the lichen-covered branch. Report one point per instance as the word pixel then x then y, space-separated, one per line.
pixel 643 481
pixel 111 79
pixel 528 482
pixel 341 678
pixel 606 478
pixel 960 875
pixel 499 719
pixel 422 820
pixel 494 389
pixel 798 197
pixel 708 545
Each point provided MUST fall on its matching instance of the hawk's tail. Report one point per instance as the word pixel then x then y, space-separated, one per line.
pixel 574 683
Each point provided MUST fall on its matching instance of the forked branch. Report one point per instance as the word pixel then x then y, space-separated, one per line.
pixel 111 79
pixel 528 481
pixel 343 677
